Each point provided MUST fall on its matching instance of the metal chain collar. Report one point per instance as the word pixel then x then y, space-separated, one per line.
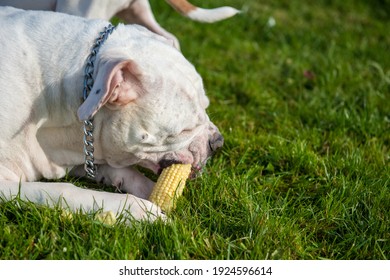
pixel 89 165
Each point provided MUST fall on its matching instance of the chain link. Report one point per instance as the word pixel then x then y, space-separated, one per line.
pixel 89 165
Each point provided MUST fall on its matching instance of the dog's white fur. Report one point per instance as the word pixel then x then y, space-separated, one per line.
pixel 148 105
pixel 131 11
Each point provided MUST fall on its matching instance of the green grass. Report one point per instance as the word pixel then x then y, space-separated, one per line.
pixel 304 107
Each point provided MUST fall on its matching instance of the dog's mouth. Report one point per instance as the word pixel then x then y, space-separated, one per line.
pixel 196 154
pixel 165 163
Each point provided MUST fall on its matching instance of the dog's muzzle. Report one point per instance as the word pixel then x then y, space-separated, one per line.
pixel 214 143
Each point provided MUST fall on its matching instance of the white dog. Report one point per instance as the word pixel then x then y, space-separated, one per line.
pixel 131 11
pixel 147 103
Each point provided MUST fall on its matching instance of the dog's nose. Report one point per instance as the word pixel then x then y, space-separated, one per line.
pixel 215 142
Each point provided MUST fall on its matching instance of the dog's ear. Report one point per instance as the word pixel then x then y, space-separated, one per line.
pixel 116 84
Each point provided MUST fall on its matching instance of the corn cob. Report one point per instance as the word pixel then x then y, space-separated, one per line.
pixel 170 186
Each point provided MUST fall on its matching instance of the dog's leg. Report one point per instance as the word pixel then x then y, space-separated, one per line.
pixel 141 13
pixel 74 198
pixel 127 179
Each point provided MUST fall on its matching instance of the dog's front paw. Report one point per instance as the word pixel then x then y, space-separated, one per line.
pixel 144 210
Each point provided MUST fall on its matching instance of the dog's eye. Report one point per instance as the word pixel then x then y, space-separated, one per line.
pixel 185 131
pixel 183 134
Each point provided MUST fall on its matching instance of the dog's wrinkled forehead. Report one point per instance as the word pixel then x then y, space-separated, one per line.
pixel 177 77
pixel 185 86
pixel 178 100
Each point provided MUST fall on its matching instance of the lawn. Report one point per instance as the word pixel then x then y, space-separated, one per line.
pixel 301 92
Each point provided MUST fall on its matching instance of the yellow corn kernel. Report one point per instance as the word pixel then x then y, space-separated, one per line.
pixel 107 218
pixel 170 186
pixel 66 215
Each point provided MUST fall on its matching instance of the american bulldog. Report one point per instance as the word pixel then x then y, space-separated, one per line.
pixel 147 105
pixel 131 11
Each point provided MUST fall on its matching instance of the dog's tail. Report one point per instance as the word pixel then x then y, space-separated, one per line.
pixel 199 14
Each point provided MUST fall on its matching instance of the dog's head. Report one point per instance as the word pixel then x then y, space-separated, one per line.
pixel 149 104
